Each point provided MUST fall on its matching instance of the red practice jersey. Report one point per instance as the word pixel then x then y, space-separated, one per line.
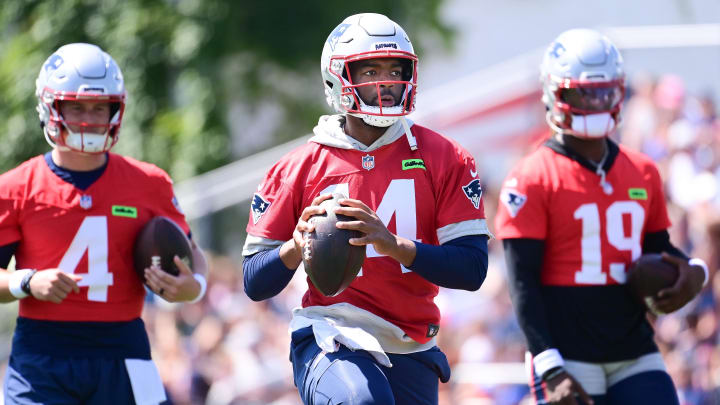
pixel 591 234
pixel 87 232
pixel 415 193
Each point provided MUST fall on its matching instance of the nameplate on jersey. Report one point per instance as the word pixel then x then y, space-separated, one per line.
pixel 637 194
pixel 408 164
pixel 124 211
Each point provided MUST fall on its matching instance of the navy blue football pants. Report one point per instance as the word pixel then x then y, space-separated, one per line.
pixel 354 377
pixel 66 380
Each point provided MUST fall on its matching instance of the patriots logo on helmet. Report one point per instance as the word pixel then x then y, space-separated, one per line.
pixel 557 49
pixel 335 35
pixel 512 200
pixel 53 62
pixel 473 191
pixel 258 207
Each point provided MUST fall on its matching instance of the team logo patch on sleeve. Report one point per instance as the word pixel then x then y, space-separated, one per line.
pixel 258 207
pixel 473 191
pixel 512 200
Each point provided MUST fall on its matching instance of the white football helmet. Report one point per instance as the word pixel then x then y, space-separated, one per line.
pixel 367 36
pixel 80 72
pixel 583 84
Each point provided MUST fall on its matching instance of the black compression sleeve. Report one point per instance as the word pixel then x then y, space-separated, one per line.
pixel 658 242
pixel 6 253
pixel 523 258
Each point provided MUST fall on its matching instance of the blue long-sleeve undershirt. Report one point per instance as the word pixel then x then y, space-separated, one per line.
pixel 459 264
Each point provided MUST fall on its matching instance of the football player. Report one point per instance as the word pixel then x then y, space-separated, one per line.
pixel 573 216
pixel 70 218
pixel 415 197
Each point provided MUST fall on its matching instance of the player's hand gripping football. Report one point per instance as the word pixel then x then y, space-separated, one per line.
pixel 688 285
pixel 182 287
pixel 376 233
pixel 563 388
pixel 291 251
pixel 53 285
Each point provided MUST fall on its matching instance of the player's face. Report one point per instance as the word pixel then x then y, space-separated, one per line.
pixel 94 115
pixel 379 70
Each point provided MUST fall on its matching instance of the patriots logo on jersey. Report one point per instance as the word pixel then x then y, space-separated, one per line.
pixel 258 207
pixel 473 191
pixel 512 200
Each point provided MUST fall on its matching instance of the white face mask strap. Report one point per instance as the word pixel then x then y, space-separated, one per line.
pixel 411 139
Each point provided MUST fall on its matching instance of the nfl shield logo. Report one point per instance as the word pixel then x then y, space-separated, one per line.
pixel 86 202
pixel 368 162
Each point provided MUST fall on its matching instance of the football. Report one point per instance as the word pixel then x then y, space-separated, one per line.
pixel 650 274
pixel 330 261
pixel 157 243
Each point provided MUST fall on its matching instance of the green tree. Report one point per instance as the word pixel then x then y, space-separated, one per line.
pixel 198 72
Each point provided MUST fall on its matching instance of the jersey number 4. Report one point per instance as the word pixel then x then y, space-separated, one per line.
pixel 93 238
pixel 591 271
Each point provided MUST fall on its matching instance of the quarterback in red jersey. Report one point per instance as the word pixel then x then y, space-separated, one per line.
pixel 573 216
pixel 70 218
pixel 415 197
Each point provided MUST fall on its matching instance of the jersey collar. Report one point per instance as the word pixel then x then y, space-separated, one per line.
pixel 81 180
pixel 613 151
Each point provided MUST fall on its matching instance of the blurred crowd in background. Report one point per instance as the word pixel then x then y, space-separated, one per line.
pixel 227 349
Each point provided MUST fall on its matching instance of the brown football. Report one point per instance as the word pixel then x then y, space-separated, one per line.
pixel 330 261
pixel 650 274
pixel 157 243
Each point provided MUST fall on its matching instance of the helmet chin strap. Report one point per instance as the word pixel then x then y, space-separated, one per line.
pixel 383 121
pixel 88 141
pixel 591 126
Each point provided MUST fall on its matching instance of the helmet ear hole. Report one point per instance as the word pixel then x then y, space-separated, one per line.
pixel 329 83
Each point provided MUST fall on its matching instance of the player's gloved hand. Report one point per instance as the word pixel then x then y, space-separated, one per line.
pixel 688 285
pixel 291 251
pixel 183 287
pixel 376 233
pixel 563 388
pixel 53 285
